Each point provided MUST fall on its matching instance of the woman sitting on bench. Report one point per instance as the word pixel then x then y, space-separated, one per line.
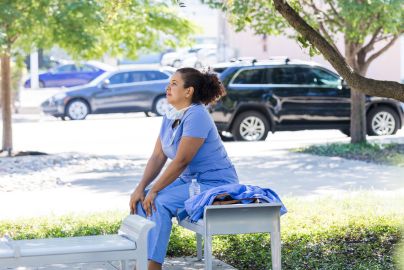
pixel 189 137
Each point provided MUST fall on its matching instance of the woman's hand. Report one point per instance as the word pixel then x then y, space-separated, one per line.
pixel 137 196
pixel 148 202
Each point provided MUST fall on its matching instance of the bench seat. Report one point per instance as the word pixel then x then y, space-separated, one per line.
pixel 236 219
pixel 129 244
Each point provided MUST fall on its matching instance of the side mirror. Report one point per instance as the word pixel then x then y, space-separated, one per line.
pixel 105 84
pixel 344 84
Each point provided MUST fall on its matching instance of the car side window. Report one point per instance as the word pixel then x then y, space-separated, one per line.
pixel 119 78
pixel 326 78
pixel 66 69
pixel 156 75
pixel 128 77
pixel 136 76
pixel 87 68
pixel 251 76
pixel 285 75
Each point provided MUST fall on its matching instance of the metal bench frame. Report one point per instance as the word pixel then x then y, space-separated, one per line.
pixel 134 228
pixel 237 219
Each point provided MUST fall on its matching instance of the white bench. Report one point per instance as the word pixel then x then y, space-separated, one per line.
pixel 237 219
pixel 130 243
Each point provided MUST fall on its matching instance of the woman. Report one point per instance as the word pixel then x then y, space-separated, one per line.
pixel 190 139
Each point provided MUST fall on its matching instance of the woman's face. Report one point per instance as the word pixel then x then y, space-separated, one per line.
pixel 177 95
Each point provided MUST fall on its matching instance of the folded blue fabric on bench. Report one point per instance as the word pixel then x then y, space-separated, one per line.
pixel 194 206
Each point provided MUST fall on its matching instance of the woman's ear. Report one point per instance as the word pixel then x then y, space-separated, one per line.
pixel 190 92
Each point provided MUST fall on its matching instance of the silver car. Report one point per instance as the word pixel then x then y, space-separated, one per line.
pixel 126 89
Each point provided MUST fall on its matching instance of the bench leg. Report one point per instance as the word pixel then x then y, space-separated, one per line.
pixel 208 252
pixel 276 250
pixel 124 265
pixel 199 246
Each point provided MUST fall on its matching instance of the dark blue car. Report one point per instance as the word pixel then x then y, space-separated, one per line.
pixel 126 89
pixel 71 74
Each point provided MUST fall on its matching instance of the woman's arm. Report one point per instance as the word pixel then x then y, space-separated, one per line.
pixel 153 168
pixel 187 149
pixel 154 165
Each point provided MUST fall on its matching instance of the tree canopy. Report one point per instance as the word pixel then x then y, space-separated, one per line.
pixel 91 28
pixel 317 25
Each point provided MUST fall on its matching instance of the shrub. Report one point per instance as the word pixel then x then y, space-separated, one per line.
pixel 358 231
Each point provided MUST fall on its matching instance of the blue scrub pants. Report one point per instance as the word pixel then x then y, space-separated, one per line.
pixel 167 201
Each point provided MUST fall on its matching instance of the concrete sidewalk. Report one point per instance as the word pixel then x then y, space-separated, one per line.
pixel 289 174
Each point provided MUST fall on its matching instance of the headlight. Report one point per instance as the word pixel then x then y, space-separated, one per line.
pixel 59 96
pixel 402 105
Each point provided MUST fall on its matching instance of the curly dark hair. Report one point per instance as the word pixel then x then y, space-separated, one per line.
pixel 207 86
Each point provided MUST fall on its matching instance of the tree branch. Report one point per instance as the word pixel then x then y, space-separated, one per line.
pixel 321 25
pixel 327 36
pixel 356 81
pixel 368 47
pixel 381 51
pixel 324 13
pixel 334 10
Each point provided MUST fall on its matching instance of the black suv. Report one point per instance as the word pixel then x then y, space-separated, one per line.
pixel 283 94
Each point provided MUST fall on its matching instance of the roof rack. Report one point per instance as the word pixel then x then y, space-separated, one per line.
pixel 243 59
pixel 284 58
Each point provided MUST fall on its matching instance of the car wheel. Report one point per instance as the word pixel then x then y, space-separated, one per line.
pixel 160 105
pixel 77 109
pixel 41 84
pixel 382 121
pixel 346 131
pixel 250 126
pixel 226 137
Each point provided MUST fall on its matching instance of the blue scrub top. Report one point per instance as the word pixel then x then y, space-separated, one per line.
pixel 211 163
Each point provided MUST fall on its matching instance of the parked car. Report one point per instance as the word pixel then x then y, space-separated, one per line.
pixel 127 89
pixel 176 58
pixel 71 74
pixel 285 94
pixel 203 58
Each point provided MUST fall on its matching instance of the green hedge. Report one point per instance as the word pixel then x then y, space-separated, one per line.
pixel 388 154
pixel 353 232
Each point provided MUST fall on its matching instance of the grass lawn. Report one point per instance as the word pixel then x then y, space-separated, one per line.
pixel 386 154
pixel 351 231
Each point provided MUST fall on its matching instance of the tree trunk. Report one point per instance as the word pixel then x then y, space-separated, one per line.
pixel 358 110
pixel 358 117
pixel 6 103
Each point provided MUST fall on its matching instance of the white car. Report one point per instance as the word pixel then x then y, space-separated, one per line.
pixel 175 59
pixel 203 58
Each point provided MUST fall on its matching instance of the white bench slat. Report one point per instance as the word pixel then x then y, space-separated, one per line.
pixel 129 243
pixel 5 251
pixel 83 244
pixel 237 219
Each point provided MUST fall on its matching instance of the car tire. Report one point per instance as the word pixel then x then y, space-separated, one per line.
pixel 346 131
pixel 226 138
pixel 382 121
pixel 41 84
pixel 77 109
pixel 160 105
pixel 250 126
